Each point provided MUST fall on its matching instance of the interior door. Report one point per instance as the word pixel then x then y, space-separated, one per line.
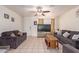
pixel 28 26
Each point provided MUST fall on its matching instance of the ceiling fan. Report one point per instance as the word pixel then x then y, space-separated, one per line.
pixel 40 11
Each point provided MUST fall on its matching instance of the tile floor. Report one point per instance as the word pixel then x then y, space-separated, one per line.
pixel 34 45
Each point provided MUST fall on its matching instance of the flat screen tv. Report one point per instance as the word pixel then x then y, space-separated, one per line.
pixel 44 27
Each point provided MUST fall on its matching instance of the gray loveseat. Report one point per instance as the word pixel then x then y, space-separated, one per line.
pixel 13 42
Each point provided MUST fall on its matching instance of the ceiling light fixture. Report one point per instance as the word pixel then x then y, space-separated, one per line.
pixel 39 11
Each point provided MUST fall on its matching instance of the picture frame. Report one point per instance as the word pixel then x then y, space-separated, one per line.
pixel 35 22
pixel 12 19
pixel 6 16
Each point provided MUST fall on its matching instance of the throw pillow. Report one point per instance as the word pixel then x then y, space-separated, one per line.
pixel 59 32
pixel 66 34
pixel 75 36
pixel 13 35
pixel 20 33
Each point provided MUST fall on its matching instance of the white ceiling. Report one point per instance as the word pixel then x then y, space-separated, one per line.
pixel 28 10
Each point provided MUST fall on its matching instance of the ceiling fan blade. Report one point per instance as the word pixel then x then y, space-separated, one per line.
pixel 46 11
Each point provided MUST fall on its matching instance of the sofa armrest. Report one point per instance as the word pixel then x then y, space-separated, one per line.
pixel 67 48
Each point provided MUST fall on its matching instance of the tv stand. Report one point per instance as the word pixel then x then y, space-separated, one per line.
pixel 42 34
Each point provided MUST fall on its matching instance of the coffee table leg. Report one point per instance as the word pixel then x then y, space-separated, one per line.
pixel 57 44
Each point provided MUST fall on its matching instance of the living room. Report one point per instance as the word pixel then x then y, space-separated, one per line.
pixel 25 19
pixel 39 29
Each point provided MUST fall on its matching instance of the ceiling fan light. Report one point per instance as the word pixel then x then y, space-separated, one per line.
pixel 39 10
pixel 43 14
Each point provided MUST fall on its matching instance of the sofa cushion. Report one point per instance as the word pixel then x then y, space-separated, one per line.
pixel 66 34
pixel 75 36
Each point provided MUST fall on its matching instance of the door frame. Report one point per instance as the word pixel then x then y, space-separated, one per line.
pixel 52 25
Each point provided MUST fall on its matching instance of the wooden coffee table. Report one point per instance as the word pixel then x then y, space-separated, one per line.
pixel 51 41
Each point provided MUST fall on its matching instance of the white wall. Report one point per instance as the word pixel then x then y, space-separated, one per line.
pixel 26 24
pixel 29 26
pixel 56 23
pixel 6 24
pixel 69 20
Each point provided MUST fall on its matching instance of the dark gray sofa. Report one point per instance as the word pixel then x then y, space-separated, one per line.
pixel 13 42
pixel 72 42
pixel 67 48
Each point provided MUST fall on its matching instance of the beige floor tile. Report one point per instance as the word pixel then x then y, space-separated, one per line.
pixel 34 45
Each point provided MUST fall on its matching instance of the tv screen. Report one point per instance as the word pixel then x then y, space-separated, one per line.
pixel 44 28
